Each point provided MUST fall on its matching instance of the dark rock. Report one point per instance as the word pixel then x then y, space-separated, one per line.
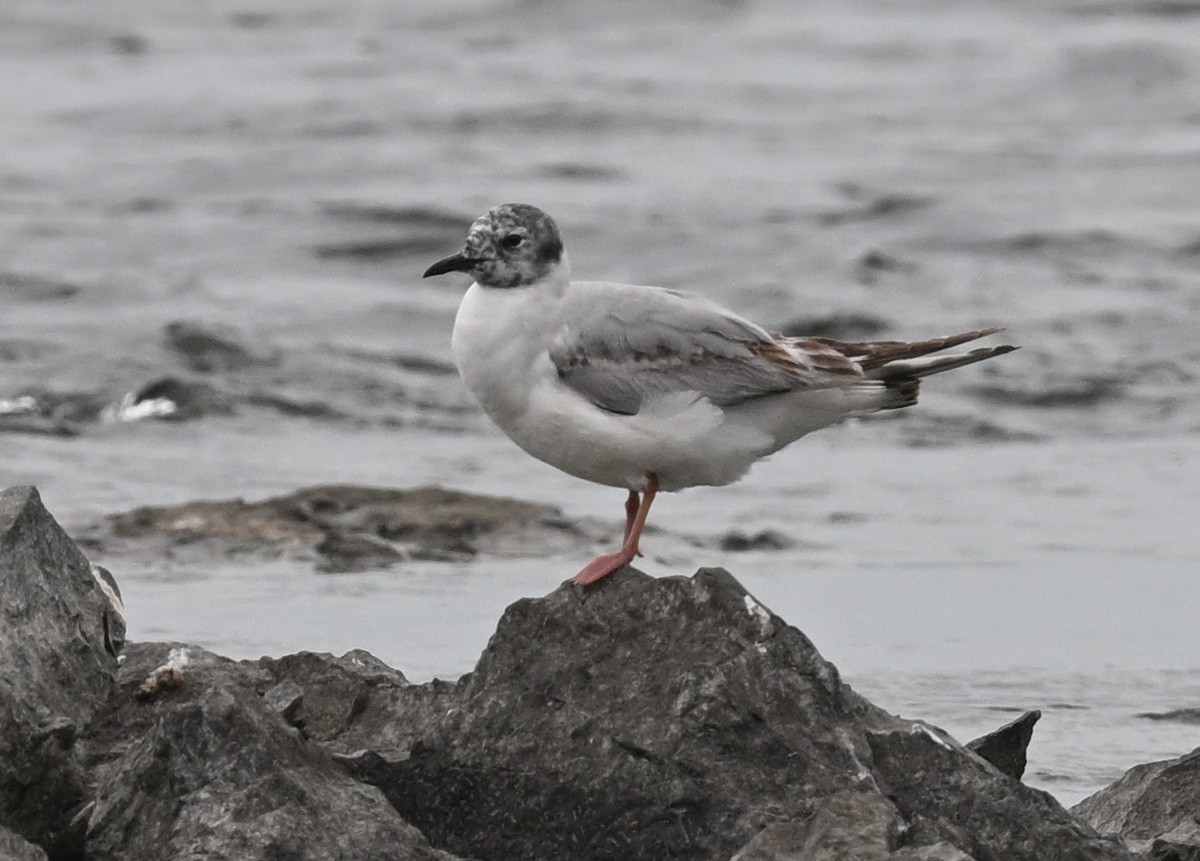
pixel 13 847
pixel 1153 807
pixel 936 852
pixel 671 718
pixel 353 702
pixel 58 627
pixel 1005 747
pixel 210 770
pixel 1181 843
pixel 859 825
pixel 966 802
pixel 286 698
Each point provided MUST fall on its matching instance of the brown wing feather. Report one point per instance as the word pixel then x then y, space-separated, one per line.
pixel 874 354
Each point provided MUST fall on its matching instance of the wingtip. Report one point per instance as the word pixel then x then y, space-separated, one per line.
pixel 998 350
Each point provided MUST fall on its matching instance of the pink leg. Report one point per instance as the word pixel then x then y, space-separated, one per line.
pixel 602 566
pixel 631 510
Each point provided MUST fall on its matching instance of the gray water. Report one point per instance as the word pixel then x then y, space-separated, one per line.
pixel 280 175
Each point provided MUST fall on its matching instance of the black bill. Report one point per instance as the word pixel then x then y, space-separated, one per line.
pixel 453 263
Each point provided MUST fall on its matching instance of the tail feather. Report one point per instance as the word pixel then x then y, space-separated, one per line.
pixel 900 393
pixel 898 365
pixel 876 354
pixel 923 367
pixel 902 378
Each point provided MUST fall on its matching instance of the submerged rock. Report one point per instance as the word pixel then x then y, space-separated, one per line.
pixel 342 527
pixel 1153 807
pixel 61 622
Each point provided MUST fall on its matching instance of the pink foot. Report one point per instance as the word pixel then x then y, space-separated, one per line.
pixel 635 521
pixel 602 566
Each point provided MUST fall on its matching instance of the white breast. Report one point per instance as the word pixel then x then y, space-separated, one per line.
pixel 500 344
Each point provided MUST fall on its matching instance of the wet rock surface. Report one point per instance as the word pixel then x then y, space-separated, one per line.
pixel 640 719
pixel 341 527
pixel 1153 808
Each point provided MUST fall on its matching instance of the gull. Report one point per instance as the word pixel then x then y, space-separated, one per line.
pixel 649 389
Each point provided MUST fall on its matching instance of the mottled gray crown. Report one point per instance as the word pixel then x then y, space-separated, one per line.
pixel 515 244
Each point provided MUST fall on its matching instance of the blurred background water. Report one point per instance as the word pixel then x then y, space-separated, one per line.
pixel 236 198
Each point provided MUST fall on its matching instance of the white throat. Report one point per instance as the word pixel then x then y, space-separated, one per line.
pixel 501 338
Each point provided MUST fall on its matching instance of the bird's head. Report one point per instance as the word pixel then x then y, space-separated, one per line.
pixel 511 245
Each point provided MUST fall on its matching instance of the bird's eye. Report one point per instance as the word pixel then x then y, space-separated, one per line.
pixel 513 240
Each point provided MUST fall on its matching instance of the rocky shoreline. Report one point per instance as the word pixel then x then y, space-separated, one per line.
pixel 646 718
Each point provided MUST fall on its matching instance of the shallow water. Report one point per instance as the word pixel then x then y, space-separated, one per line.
pixel 1025 538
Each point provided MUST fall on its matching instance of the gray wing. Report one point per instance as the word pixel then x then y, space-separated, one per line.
pixel 620 346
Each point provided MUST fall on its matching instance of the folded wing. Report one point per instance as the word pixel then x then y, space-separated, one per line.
pixel 624 346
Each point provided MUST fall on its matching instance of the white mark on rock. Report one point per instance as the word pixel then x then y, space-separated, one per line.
pixel 178 658
pixel 109 592
pixel 168 676
pixel 759 612
pixel 920 727
pixel 863 773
